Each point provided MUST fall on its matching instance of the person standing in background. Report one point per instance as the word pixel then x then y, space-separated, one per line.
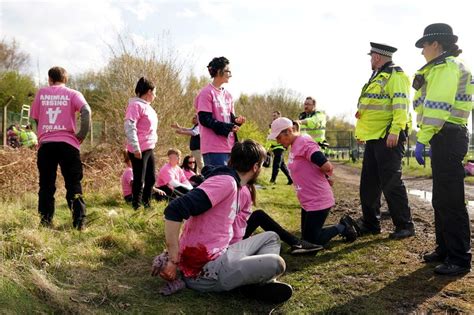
pixel 54 111
pixel 141 123
pixel 278 156
pixel 194 141
pixel 215 109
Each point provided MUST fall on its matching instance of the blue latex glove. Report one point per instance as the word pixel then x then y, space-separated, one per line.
pixel 419 153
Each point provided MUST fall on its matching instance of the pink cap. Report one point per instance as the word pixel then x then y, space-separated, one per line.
pixel 278 125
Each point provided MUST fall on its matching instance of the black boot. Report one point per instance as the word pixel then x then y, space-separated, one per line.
pixel 78 212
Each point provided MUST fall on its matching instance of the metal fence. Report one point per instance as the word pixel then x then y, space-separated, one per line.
pixel 97 133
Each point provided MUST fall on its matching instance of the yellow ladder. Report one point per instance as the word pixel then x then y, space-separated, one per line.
pixel 25 116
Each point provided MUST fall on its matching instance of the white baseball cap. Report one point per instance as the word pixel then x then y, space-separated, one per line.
pixel 278 125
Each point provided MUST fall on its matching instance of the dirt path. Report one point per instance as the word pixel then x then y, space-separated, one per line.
pixel 419 291
pixel 419 188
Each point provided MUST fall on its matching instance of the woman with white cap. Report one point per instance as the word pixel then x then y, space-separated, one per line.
pixel 309 169
pixel 443 102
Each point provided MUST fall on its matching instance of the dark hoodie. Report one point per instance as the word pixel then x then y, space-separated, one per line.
pixel 196 201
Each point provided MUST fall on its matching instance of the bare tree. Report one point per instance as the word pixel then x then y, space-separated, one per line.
pixel 11 57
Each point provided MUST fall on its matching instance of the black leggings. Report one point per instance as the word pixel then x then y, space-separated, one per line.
pixel 259 218
pixel 143 178
pixel 312 229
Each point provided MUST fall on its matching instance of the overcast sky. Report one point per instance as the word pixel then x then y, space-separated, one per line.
pixel 316 48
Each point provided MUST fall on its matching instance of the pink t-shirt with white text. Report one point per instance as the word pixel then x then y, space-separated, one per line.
pixel 141 112
pixel 218 102
pixel 127 178
pixel 310 183
pixel 168 173
pixel 55 108
pixel 243 214
pixel 211 230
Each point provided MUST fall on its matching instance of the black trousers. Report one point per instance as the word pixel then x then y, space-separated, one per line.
pixel 50 155
pixel 279 163
pixel 453 235
pixel 260 218
pixel 382 172
pixel 143 178
pixel 312 227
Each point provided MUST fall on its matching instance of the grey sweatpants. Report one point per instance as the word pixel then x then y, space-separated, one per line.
pixel 250 261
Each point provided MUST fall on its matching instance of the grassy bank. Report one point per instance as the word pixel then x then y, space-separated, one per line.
pixel 105 269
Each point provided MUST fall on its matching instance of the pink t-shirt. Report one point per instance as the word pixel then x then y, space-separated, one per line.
pixel 55 109
pixel 188 173
pixel 168 173
pixel 220 104
pixel 205 237
pixel 311 185
pixel 127 178
pixel 146 121
pixel 243 214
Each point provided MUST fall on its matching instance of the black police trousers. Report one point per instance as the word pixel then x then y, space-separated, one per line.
pixel 453 236
pixel 50 155
pixel 382 172
pixel 279 163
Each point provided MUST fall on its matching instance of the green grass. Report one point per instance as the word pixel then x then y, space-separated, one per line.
pixel 105 269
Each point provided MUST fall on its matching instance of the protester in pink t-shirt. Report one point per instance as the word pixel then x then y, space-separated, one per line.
pixel 202 252
pixel 310 171
pixel 189 168
pixel 171 178
pixel 140 125
pixel 54 110
pixel 215 108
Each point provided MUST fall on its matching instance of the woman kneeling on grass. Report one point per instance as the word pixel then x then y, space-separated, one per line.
pixel 310 169
pixel 246 222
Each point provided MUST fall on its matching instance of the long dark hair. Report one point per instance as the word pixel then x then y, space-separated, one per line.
pixel 185 164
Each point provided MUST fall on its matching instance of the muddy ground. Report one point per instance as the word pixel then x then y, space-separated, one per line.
pixel 419 189
pixel 425 292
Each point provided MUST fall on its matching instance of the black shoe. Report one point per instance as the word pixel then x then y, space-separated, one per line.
pixel 304 247
pixel 78 212
pixel 403 233
pixel 350 231
pixel 433 257
pixel 448 269
pixel 362 229
pixel 272 292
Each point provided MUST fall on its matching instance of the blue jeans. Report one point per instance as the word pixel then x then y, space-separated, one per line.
pixel 216 158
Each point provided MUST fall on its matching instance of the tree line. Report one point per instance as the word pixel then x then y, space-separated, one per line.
pixel 108 89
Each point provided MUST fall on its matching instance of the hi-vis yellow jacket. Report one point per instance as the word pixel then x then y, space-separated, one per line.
pixel 444 94
pixel 315 126
pixel 383 102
